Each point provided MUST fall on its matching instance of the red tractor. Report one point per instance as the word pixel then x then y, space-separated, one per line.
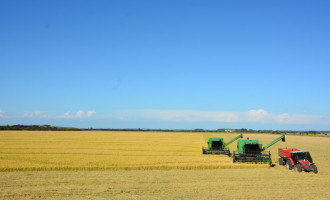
pixel 299 160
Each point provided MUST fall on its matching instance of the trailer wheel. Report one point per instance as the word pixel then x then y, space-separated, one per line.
pixel 280 161
pixel 289 165
pixel 298 168
pixel 314 169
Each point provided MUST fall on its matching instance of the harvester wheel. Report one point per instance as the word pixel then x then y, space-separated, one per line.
pixel 314 169
pixel 280 161
pixel 298 168
pixel 289 165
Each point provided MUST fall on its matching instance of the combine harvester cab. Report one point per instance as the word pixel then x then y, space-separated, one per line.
pixel 216 145
pixel 299 160
pixel 252 151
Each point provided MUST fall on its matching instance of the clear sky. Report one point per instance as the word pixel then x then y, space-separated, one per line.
pixel 180 64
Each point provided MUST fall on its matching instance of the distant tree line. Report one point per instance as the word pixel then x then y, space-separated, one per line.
pixel 37 128
pixel 242 130
pixel 283 131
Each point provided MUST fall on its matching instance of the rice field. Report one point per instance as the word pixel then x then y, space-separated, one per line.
pixel 150 165
pixel 107 150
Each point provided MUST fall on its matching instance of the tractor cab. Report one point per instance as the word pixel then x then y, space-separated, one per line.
pixel 301 156
pixel 303 161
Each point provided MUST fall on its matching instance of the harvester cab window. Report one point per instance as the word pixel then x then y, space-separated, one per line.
pixel 252 148
pixel 216 144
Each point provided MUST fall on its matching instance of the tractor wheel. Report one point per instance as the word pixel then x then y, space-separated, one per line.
pixel 298 168
pixel 314 169
pixel 289 165
pixel 280 161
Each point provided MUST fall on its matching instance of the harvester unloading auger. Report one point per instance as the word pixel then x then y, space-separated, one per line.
pixel 216 145
pixel 252 151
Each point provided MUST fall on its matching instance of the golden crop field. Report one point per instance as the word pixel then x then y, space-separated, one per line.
pixel 150 165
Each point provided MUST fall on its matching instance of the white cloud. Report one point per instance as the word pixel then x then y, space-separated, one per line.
pixel 260 115
pixel 42 115
pixel 66 115
pixel 35 114
pixel 255 116
pixel 78 114
pixel 90 113
pixel 286 118
pixel 2 114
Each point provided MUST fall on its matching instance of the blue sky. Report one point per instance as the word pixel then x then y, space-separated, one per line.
pixel 166 64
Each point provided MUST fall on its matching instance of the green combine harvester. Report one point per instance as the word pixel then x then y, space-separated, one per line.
pixel 216 145
pixel 252 151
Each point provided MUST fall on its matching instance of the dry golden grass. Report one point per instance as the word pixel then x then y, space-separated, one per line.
pixel 150 165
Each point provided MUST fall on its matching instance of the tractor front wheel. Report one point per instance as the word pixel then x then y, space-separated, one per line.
pixel 314 169
pixel 298 168
pixel 289 165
